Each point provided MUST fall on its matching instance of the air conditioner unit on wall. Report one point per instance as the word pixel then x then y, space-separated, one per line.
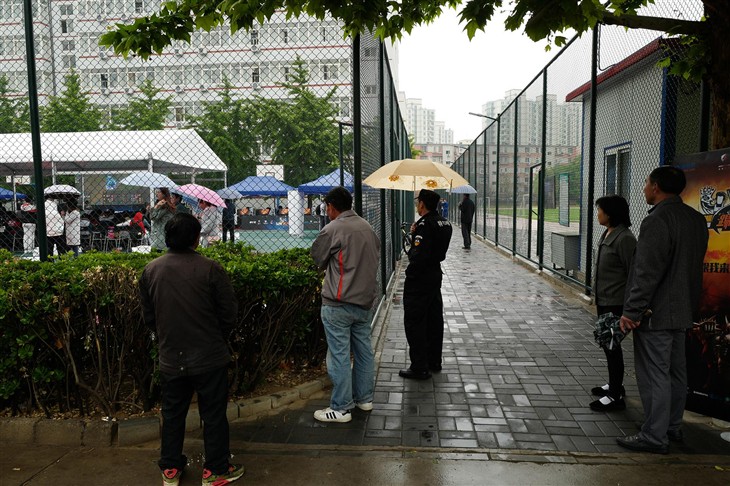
pixel 130 90
pixel 255 48
pixel 105 91
pixel 256 85
pixel 179 89
pixel 202 51
pixel 203 87
pixel 177 51
pixel 102 54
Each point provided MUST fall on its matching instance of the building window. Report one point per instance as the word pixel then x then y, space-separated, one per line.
pixel 67 9
pixel 285 36
pixel 286 74
pixel 104 81
pixel 179 114
pixel 138 6
pixel 68 62
pixel 68 45
pixel 254 37
pixel 66 26
pixel 255 75
pixel 618 172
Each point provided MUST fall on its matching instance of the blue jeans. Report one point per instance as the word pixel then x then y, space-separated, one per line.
pixel 348 328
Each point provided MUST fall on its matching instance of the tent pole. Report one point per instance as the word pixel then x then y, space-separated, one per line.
pixel 15 193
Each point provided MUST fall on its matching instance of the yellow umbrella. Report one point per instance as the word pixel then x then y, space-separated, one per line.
pixel 412 174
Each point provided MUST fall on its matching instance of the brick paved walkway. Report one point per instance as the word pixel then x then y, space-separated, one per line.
pixel 519 363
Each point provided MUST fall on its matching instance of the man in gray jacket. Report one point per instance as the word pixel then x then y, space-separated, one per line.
pixel 348 249
pixel 662 300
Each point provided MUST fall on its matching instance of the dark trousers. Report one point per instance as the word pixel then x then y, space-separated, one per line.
pixel 229 229
pixel 661 374
pixel 614 357
pixel 212 391
pixel 466 234
pixel 424 323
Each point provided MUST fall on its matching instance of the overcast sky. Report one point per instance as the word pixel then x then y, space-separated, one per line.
pixel 454 76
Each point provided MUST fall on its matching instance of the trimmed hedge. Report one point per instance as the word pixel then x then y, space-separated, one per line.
pixel 73 338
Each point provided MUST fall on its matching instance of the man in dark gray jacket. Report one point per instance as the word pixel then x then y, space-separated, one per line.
pixel 189 301
pixel 348 249
pixel 662 300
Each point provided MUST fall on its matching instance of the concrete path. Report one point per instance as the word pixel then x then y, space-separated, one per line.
pixel 509 407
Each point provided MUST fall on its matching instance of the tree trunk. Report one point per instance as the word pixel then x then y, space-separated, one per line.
pixel 718 74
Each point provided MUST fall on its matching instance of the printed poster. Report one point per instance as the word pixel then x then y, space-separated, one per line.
pixel 708 342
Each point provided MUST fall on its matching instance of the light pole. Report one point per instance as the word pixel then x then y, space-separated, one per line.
pixel 342 172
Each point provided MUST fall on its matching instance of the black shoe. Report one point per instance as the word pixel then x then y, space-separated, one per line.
pixel 466 247
pixel 600 391
pixel 434 368
pixel 608 404
pixel 675 435
pixel 415 375
pixel 636 443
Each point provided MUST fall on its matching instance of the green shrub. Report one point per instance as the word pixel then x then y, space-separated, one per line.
pixel 74 338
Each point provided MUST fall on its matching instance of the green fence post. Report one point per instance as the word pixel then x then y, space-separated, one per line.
pixel 514 178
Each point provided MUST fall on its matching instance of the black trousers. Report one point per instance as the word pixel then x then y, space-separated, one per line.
pixel 466 234
pixel 424 322
pixel 177 392
pixel 229 229
pixel 60 242
pixel 614 357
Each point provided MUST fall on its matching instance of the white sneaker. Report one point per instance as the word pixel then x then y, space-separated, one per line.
pixel 365 406
pixel 329 415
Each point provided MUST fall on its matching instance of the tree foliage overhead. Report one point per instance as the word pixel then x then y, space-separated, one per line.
pixel 72 111
pixel 146 112
pixel 708 57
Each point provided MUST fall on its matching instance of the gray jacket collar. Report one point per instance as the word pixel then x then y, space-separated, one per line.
pixel 611 237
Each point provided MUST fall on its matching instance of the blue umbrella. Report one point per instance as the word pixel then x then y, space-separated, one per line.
pixel 261 186
pixel 327 182
pixel 465 189
pixel 7 194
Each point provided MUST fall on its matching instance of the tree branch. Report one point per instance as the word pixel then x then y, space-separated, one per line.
pixel 670 26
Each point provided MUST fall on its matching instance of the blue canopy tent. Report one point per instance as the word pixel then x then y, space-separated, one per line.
pixel 266 186
pixel 325 183
pixel 6 194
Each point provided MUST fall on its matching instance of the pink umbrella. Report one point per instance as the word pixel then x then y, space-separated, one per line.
pixel 202 193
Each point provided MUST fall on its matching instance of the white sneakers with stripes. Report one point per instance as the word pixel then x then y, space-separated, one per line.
pixel 329 415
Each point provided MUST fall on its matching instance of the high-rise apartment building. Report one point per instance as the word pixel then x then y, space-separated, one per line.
pixel 255 63
pixel 421 123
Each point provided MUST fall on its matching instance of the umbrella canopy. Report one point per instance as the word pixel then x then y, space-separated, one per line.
pixel 145 178
pixel 412 174
pixel 261 186
pixel 228 193
pixel 327 182
pixel 465 189
pixel 6 194
pixel 202 193
pixel 61 189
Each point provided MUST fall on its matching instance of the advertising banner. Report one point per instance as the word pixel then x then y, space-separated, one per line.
pixel 708 342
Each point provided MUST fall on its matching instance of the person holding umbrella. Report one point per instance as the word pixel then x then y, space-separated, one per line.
pixel 54 226
pixel 72 219
pixel 210 222
pixel 467 209
pixel 160 214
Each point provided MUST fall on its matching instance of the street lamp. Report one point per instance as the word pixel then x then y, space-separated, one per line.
pixel 342 172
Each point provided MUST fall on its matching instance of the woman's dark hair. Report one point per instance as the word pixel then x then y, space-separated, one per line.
pixel 182 231
pixel 616 208
pixel 339 198
pixel 669 179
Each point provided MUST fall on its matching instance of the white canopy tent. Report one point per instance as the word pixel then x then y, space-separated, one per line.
pixel 103 152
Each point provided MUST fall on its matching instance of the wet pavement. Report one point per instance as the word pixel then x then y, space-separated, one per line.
pixel 509 407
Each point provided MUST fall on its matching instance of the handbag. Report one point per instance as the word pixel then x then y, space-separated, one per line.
pixel 608 332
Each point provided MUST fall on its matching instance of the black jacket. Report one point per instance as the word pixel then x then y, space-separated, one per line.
pixel 466 207
pixel 188 299
pixel 430 242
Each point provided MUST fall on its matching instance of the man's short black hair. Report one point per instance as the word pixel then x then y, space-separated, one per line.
pixel 616 208
pixel 430 199
pixel 339 198
pixel 182 231
pixel 669 179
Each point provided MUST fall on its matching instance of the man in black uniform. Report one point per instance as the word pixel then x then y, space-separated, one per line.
pixel 424 309
pixel 466 207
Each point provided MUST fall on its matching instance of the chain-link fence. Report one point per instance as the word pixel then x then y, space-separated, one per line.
pixel 544 159
pixel 247 131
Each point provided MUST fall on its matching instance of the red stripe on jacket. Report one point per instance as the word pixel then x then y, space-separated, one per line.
pixel 342 271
